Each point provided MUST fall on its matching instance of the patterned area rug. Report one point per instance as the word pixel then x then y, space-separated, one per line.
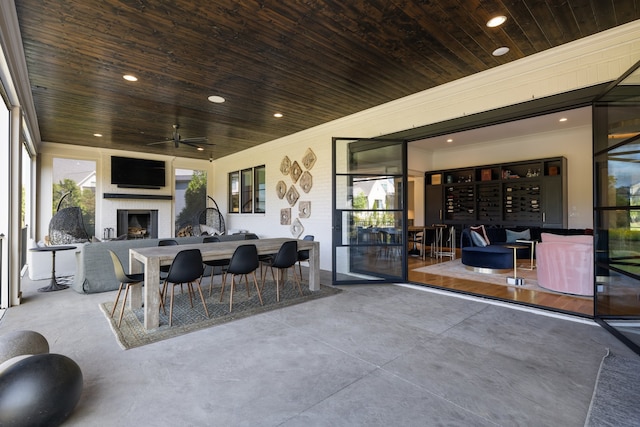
pixel 132 333
pixel 456 269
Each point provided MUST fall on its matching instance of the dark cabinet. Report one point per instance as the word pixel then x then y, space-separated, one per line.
pixel 528 193
pixel 433 204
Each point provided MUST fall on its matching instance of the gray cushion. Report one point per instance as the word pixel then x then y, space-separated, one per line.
pixel 478 240
pixel 512 236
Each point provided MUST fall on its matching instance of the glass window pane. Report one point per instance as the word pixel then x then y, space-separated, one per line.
pixel 247 190
pixel 369 192
pixel 234 192
pixel 191 198
pixel 369 157
pixel 74 184
pixel 260 194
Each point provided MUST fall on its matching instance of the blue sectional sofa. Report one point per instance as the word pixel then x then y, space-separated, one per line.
pixel 496 255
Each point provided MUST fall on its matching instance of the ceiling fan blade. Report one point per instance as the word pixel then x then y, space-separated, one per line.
pixel 201 139
pixel 160 142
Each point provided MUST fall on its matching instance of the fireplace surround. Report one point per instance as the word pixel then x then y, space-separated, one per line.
pixel 138 223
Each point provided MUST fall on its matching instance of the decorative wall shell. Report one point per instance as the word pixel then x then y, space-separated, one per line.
pixel 292 195
pixel 281 189
pixel 285 216
pixel 309 159
pixel 306 181
pixel 304 209
pixel 296 171
pixel 285 166
pixel 296 228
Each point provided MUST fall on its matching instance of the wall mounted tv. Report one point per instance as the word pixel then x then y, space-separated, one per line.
pixel 128 172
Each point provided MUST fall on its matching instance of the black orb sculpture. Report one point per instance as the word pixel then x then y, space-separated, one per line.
pixel 40 390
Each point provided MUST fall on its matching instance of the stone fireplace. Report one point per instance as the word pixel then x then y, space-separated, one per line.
pixel 138 223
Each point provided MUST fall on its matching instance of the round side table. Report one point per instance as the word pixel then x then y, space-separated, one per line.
pixel 53 285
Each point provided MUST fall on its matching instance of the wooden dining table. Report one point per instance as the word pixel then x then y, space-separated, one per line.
pixel 149 260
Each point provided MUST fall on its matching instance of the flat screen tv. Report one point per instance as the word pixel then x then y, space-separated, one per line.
pixel 128 172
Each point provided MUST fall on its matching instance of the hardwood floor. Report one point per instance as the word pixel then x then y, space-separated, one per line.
pixel 564 303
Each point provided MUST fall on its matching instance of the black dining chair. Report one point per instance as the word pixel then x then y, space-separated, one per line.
pixel 215 264
pixel 264 258
pixel 187 267
pixel 164 269
pixel 286 258
pixel 303 255
pixel 124 279
pixel 244 261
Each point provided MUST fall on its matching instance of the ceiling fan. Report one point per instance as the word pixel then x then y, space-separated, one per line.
pixel 196 142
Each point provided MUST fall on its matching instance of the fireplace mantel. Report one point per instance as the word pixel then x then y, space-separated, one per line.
pixel 137 196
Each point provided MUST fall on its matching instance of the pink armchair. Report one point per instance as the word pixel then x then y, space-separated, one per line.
pixel 565 263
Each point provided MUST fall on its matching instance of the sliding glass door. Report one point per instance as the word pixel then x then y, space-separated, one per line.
pixel 617 208
pixel 369 215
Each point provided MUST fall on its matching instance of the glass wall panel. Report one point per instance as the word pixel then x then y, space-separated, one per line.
pixel 368 219
pixel 617 208
pixel 234 192
pixel 74 185
pixel 246 184
pixel 260 193
pixel 191 199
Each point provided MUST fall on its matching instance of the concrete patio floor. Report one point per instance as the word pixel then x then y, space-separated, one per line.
pixel 370 356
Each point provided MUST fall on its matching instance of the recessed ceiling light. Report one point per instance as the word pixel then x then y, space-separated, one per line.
pixel 449 140
pixel 500 51
pixel 98 135
pixel 130 78
pixel 200 149
pixel 496 21
pixel 564 119
pixel 278 115
pixel 216 99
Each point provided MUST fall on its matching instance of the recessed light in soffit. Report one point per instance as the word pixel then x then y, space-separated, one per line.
pixel 500 51
pixel 496 21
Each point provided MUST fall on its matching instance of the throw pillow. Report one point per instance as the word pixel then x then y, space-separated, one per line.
pixel 209 230
pixel 482 232
pixel 477 239
pixel 512 236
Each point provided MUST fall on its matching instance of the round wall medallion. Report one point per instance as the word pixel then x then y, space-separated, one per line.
pixel 281 189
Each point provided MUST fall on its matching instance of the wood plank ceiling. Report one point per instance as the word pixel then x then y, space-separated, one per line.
pixel 312 60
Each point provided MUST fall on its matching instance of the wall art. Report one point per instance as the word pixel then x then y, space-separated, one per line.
pixel 306 181
pixel 309 159
pixel 285 216
pixel 281 189
pixel 285 166
pixel 304 209
pixel 296 228
pixel 296 171
pixel 292 195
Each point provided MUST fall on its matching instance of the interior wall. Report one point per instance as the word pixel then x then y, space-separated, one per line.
pixel 574 143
